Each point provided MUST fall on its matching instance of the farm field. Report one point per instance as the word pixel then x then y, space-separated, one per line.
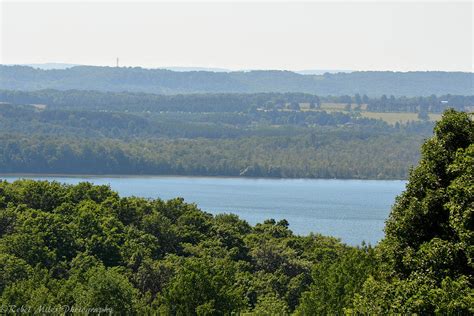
pixel 393 118
pixel 389 117
pixel 329 107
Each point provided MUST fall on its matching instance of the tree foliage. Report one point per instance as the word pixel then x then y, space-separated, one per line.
pixel 426 258
pixel 85 247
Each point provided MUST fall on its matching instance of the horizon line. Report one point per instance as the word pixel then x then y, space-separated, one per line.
pixel 216 69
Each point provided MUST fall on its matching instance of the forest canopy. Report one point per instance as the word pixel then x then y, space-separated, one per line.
pixel 255 135
pixel 85 247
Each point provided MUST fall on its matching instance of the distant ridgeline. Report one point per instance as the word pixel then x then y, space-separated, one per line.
pixel 170 82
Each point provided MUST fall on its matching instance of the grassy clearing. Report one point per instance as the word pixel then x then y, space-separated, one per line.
pixel 329 107
pixel 392 118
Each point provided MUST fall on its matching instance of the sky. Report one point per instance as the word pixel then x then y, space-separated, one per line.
pixel 350 35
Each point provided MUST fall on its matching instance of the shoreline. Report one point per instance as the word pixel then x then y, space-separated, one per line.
pixel 76 175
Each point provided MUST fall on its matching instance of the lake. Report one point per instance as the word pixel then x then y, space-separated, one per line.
pixel 353 210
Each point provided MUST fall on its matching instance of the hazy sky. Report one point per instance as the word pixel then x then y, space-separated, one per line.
pixel 285 35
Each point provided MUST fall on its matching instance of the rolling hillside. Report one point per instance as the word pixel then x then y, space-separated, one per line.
pixel 171 82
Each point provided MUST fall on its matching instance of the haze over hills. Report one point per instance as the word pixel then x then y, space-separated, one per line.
pixel 161 81
pixel 50 66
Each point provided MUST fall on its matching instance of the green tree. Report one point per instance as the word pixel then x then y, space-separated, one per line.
pixel 270 305
pixel 427 251
pixel 365 99
pixel 317 100
pixel 423 113
pixel 204 287
pixel 358 99
pixel 106 288
pixel 335 282
pixel 12 269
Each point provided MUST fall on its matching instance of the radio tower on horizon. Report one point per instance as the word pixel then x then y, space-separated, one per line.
pixel 118 62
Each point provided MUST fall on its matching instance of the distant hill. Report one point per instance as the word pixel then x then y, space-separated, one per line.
pixel 187 69
pixel 49 66
pixel 163 81
pixel 320 71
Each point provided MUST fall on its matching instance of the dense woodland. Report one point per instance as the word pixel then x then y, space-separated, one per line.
pixel 290 135
pixel 228 135
pixel 169 82
pixel 230 102
pixel 324 156
pixel 86 248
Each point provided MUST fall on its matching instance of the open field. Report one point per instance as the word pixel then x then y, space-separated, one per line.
pixel 392 118
pixel 339 106
pixel 389 117
pixel 330 107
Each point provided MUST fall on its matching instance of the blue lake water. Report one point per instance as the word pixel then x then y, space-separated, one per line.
pixel 353 210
